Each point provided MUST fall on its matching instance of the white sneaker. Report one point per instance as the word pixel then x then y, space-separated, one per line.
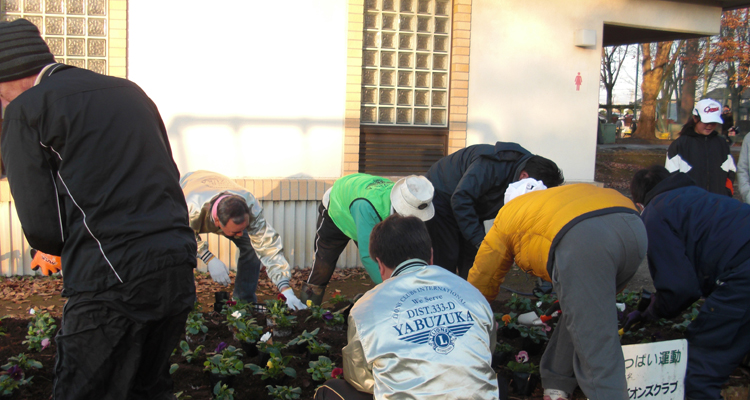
pixel 554 394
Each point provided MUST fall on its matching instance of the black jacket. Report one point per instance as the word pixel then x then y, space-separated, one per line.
pixel 475 180
pixel 91 172
pixel 706 159
pixel 694 238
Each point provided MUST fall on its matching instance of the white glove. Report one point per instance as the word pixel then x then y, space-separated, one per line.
pixel 292 301
pixel 219 271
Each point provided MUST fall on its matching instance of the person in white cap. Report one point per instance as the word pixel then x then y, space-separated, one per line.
pixel 589 242
pixel 349 211
pixel 701 153
pixel 216 204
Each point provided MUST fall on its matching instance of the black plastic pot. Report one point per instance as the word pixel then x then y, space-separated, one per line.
pixel 250 349
pixel 224 379
pixel 532 347
pixel 500 358
pixel 264 357
pixel 510 333
pixel 524 383
pixel 221 299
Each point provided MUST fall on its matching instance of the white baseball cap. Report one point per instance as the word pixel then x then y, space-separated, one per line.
pixel 709 111
pixel 412 196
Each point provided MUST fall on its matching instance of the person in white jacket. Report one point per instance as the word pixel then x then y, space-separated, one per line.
pixel 743 171
pixel 216 204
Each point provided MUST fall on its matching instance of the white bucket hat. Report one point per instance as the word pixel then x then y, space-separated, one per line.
pixel 709 111
pixel 412 196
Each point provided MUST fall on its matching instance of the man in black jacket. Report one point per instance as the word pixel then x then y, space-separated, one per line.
pixel 470 186
pixel 93 179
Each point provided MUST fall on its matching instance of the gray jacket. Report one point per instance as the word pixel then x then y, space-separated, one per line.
pixel 423 333
pixel 743 171
pixel 201 188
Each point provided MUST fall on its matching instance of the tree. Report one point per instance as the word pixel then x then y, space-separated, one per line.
pixel 612 60
pixel 653 66
pixel 691 61
pixel 733 51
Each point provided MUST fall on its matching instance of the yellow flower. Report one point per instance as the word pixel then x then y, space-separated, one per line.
pixel 506 319
pixel 309 303
pixel 269 364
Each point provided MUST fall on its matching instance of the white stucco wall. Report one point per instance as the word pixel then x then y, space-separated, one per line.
pixel 523 66
pixel 245 88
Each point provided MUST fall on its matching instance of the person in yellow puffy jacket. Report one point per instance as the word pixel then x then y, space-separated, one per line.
pixel 589 242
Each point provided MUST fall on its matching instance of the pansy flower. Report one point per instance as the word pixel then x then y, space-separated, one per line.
pixel 221 347
pixel 522 357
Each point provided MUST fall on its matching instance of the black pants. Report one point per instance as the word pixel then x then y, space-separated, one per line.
pixel 330 242
pixel 450 249
pixel 116 344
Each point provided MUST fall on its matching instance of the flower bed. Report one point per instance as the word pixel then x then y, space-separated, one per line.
pixel 192 379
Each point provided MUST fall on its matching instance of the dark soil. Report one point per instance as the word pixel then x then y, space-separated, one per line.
pixel 191 380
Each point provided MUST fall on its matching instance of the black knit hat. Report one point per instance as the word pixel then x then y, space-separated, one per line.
pixel 23 52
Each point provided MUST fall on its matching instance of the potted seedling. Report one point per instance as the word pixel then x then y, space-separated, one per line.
pixel 221 299
pixel 508 325
pixel 248 333
pixel 339 298
pixel 502 353
pixel 283 392
pixel 534 337
pixel 275 370
pixel 41 328
pixel 195 328
pixel 519 304
pixel 525 377
pixel 223 392
pixel 279 318
pixel 224 364
pixel 316 311
pixel 190 355
pixel 335 321
pixel 321 369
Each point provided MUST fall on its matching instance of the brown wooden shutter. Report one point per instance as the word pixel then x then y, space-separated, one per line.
pixel 389 151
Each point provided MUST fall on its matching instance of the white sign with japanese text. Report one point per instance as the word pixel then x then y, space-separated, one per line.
pixel 656 371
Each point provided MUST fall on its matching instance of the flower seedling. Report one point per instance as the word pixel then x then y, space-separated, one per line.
pixel 275 368
pixel 283 392
pixel 195 324
pixel 225 361
pixel 689 317
pixel 337 373
pixel 276 308
pixel 223 392
pixel 21 361
pixel 266 344
pixel 536 334
pixel 520 304
pixel 320 370
pixel 41 328
pixel 503 347
pixel 316 312
pixel 333 318
pixel 190 355
pixel 247 331
pixel 312 344
pixel 284 321
pixel 522 364
pixel 628 297
pixel 338 298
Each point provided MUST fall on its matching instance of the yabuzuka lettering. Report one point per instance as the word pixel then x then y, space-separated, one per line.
pixel 432 321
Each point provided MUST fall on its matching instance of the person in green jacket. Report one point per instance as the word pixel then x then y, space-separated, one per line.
pixel 349 211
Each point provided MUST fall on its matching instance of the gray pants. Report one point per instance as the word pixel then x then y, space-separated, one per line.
pixel 593 261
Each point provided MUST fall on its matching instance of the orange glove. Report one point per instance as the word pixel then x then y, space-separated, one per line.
pixel 49 264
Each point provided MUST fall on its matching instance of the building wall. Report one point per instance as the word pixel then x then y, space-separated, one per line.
pixel 245 88
pixel 524 64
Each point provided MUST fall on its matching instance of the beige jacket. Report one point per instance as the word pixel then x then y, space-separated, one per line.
pixel 201 188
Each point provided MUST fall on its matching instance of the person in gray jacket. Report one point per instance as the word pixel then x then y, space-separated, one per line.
pixel 216 204
pixel 743 171
pixel 424 331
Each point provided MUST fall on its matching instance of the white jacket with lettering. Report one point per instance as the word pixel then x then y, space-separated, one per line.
pixel 425 333
pixel 201 188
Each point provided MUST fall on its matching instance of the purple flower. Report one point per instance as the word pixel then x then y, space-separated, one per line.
pixel 15 372
pixel 221 347
pixel 45 343
pixel 328 316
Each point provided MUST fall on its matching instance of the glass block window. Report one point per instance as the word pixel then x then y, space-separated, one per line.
pixel 406 63
pixel 75 30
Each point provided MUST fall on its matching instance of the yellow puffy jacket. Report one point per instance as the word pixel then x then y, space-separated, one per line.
pixel 527 229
